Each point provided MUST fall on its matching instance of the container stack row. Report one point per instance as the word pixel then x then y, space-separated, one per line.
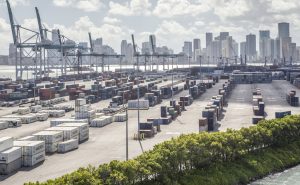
pixel 292 99
pixel 258 106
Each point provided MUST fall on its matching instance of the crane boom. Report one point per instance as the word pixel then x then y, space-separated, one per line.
pixel 152 44
pixel 40 24
pixel 12 24
pixel 59 37
pixel 91 42
pixel 134 46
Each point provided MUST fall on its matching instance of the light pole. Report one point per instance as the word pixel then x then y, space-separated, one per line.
pixel 200 68
pixel 126 109
pixel 172 80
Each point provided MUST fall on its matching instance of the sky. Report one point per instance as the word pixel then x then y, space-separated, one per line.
pixel 172 21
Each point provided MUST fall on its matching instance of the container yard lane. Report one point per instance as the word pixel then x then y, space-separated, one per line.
pixel 238 112
pixel 275 97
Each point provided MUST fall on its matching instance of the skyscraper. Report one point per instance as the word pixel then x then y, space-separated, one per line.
pixel 264 37
pixel 123 47
pixel 209 39
pixel 187 48
pixel 224 35
pixel 283 30
pixel 197 48
pixel 251 46
pixel 243 49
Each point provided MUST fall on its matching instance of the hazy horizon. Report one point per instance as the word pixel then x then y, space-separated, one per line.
pixel 172 21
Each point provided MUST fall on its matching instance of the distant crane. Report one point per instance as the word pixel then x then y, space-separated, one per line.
pixel 27 52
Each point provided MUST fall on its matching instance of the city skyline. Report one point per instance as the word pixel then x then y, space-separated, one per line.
pixel 114 21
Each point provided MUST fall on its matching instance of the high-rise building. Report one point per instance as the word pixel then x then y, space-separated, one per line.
pixel 229 48
pixel 283 30
pixel 54 35
pixel 271 48
pixel 214 50
pixel 285 47
pixel 83 47
pixel 187 48
pixel 292 52
pixel 197 48
pixel 251 46
pixel 98 45
pixel 224 35
pixel 264 36
pixel 146 48
pixel 129 52
pixel 209 38
pixel 123 47
pixel 243 49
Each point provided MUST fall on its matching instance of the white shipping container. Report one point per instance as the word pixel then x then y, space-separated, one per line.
pixel 67 146
pixel 82 126
pixel 6 169
pixel 30 147
pixel 3 125
pixel 12 122
pixel 120 117
pixel 83 136
pixel 49 136
pixel 84 108
pixel 11 154
pixel 60 121
pixel 27 138
pixel 23 110
pixel 102 121
pixel 30 118
pixel 80 102
pixel 98 115
pixel 36 108
pixel 51 147
pixel 42 116
pixel 134 104
pixel 56 113
pixel 69 132
pixel 6 143
pixel 31 160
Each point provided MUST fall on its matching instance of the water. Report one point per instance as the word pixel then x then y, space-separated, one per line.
pixel 9 71
pixel 288 177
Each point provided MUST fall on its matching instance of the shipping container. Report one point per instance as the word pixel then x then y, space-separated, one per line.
pixel 30 148
pixel 10 155
pixel 67 146
pixel 32 160
pixel 68 132
pixel 6 143
pixel 49 136
pixel 6 169
pixel 135 104
pixel 60 121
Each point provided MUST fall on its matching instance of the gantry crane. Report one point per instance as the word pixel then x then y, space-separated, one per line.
pixel 27 52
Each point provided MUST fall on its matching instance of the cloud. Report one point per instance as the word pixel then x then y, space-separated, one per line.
pixel 279 6
pixel 231 8
pixel 5 36
pixel 19 2
pixel 111 20
pixel 78 31
pixel 171 8
pixel 4 26
pixel 134 7
pixel 85 5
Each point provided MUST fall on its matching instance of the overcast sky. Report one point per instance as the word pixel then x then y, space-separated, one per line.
pixel 172 21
